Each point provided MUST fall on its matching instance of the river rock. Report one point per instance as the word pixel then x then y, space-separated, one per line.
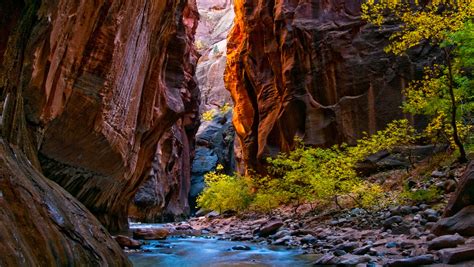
pixel 241 247
pixel 412 261
pixel 151 233
pixel 269 228
pixel 362 250
pixel 455 255
pixel 125 241
pixel 351 260
pixel 389 222
pixel 348 247
pixel 327 259
pixel 446 241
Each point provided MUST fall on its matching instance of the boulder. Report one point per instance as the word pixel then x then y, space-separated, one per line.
pixel 269 228
pixel 127 242
pixel 446 241
pixel 455 255
pixel 462 223
pixel 464 194
pixel 151 233
pixel 412 261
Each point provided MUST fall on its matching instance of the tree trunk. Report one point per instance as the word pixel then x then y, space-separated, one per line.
pixel 457 140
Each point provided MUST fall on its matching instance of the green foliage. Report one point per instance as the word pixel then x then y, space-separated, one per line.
pixel 420 195
pixel 306 174
pixel 225 108
pixel 446 92
pixel 208 115
pixel 225 193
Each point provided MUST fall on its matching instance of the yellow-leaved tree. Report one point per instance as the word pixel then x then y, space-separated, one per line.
pixel 445 94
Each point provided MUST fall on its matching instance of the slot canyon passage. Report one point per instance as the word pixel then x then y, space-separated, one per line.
pixel 201 133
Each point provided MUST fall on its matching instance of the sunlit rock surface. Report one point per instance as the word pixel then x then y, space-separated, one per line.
pixel 310 68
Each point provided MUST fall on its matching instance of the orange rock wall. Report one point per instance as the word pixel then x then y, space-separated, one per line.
pixel 310 68
pixel 100 83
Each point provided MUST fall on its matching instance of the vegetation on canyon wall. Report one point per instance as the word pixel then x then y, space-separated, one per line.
pixel 444 95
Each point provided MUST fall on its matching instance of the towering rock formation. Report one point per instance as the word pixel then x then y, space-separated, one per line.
pixel 310 68
pixel 98 90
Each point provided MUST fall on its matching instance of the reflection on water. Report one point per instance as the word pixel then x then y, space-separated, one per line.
pixel 213 252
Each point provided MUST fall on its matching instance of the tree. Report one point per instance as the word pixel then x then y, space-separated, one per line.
pixel 444 88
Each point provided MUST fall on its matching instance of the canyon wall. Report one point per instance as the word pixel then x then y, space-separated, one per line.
pixel 92 92
pixel 314 69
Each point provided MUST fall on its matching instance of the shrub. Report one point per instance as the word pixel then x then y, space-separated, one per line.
pixel 224 193
pixel 208 115
pixel 420 195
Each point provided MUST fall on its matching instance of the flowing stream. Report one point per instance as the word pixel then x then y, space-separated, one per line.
pixel 200 251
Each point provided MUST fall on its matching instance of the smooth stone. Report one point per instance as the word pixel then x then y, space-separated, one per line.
pixel 461 222
pixel 151 233
pixel 446 241
pixel 412 261
pixel 348 247
pixel 455 255
pixel 270 228
pixel 241 247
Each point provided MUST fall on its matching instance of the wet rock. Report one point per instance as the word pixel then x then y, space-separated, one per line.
pixel 282 241
pixel 446 241
pixel 280 234
pixel 455 255
pixel 269 228
pixel 127 242
pixel 412 261
pixel 241 247
pixel 462 223
pixel 392 244
pixel 151 233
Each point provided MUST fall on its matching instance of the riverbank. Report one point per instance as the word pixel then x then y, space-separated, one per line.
pixel 400 235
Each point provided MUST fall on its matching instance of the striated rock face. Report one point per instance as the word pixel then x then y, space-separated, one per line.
pixel 216 20
pixel 43 225
pixel 310 68
pixel 98 88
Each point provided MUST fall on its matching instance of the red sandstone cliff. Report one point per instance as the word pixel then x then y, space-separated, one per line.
pixel 310 68
pixel 92 90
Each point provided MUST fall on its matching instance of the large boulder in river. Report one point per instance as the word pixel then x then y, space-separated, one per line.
pixel 151 233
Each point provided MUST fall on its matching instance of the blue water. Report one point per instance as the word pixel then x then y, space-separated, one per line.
pixel 178 252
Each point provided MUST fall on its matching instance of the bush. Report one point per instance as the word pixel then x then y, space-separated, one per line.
pixel 420 195
pixel 306 174
pixel 224 193
pixel 208 115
